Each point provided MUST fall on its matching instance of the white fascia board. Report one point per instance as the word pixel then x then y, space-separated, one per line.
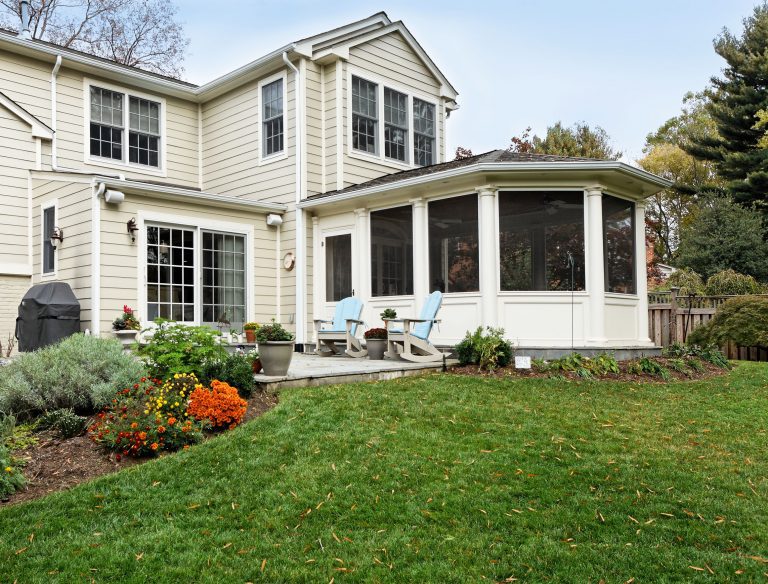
pixel 39 129
pixel 191 195
pixel 596 166
pixel 341 33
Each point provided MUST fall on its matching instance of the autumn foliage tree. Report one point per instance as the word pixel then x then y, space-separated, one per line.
pixel 140 33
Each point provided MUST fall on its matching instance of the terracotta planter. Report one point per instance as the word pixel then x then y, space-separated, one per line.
pixel 126 337
pixel 376 348
pixel 276 357
pixel 250 336
pixel 256 365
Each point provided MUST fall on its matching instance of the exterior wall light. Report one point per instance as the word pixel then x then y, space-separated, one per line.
pixel 57 235
pixel 132 229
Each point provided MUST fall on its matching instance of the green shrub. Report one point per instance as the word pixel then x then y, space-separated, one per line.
pixel 273 332
pixel 178 348
pixel 687 280
pixel 11 478
pixel 64 421
pixel 730 282
pixel 236 370
pixel 647 366
pixel 81 372
pixel 742 320
pixel 487 349
pixel 696 353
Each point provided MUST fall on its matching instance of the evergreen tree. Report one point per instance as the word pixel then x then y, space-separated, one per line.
pixel 734 103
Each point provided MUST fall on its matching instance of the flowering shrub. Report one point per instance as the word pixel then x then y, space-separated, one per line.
pixel 220 405
pixel 375 333
pixel 144 419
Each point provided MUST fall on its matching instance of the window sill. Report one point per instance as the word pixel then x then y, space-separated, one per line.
pixel 273 158
pixel 380 160
pixel 622 295
pixel 126 166
pixel 547 293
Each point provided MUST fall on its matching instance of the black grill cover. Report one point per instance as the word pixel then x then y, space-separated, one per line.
pixel 47 313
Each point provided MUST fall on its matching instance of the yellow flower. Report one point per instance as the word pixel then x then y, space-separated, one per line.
pixel 8 469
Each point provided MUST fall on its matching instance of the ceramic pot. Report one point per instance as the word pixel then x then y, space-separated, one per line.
pixel 276 357
pixel 250 336
pixel 256 365
pixel 376 348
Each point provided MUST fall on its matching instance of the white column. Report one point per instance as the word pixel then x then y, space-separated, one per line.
pixel 595 267
pixel 318 278
pixel 420 251
pixel 642 274
pixel 488 254
pixel 361 256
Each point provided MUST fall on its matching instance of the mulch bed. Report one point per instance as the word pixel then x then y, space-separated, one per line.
pixel 55 464
pixel 510 371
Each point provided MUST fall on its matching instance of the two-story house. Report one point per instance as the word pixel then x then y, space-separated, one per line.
pixel 315 172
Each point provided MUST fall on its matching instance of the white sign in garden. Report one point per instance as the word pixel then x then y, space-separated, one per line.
pixel 522 362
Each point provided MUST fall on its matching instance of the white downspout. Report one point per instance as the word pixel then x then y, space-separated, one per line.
pixel 96 258
pixel 300 235
pixel 54 142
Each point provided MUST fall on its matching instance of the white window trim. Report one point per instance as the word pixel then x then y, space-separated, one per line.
pixel 260 118
pixel 197 225
pixel 162 170
pixel 381 82
pixel 43 207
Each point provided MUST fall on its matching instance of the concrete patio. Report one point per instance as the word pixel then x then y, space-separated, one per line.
pixel 311 370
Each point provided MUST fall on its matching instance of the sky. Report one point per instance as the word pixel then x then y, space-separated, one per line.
pixel 619 64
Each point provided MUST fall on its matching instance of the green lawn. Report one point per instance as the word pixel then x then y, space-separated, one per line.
pixel 434 479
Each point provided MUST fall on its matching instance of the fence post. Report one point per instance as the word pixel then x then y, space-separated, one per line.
pixel 673 314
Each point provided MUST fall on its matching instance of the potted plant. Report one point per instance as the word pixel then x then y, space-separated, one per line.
pixel 275 348
pixel 126 327
pixel 254 359
pixel 376 343
pixel 388 314
pixel 250 329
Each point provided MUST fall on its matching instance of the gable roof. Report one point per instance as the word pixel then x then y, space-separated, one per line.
pixel 39 129
pixel 493 161
pixel 333 43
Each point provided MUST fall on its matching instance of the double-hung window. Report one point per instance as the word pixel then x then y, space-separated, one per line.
pixel 109 119
pixel 423 132
pixel 395 124
pixel 364 115
pixel 272 118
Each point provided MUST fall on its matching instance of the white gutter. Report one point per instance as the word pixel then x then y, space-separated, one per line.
pixel 301 248
pixel 597 165
pixel 54 143
pixel 98 191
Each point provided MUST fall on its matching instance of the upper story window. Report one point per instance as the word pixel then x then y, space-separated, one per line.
pixel 272 123
pixel 409 133
pixel 395 124
pixel 423 132
pixel 109 119
pixel 364 115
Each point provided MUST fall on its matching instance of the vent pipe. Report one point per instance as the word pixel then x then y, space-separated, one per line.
pixel 25 19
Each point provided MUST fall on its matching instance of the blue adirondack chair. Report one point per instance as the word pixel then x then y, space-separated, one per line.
pixel 412 342
pixel 342 329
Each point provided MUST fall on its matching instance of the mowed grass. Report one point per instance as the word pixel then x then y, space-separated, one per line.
pixel 433 479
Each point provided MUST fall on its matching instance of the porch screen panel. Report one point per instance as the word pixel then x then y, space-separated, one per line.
pixel 170 273
pixel 453 245
pixel 392 251
pixel 619 245
pixel 537 232
pixel 338 267
pixel 223 279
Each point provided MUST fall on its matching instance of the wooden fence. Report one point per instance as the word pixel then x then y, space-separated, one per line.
pixel 672 317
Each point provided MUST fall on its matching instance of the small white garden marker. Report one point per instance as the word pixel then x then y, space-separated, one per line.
pixel 522 362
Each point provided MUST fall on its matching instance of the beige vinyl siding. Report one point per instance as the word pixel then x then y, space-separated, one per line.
pixel 232 143
pixel 12 290
pixel 73 255
pixel 27 82
pixel 17 158
pixel 314 117
pixel 387 58
pixel 120 258
pixel 331 125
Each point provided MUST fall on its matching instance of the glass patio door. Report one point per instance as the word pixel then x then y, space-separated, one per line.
pixel 338 267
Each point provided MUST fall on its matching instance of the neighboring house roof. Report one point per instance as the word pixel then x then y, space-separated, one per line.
pixel 493 160
pixel 39 129
pixel 327 45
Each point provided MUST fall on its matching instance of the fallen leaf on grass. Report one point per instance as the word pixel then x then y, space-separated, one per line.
pixel 263 564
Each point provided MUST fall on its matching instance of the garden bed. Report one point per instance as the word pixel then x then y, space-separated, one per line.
pixel 55 464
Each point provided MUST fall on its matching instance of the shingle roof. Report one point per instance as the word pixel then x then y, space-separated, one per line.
pixel 494 156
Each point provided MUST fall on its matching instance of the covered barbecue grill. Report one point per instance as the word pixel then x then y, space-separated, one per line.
pixel 47 313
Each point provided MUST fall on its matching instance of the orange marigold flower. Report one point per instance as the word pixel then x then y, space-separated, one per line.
pixel 134 425
pixel 154 446
pixel 171 421
pixel 142 435
pixel 160 429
